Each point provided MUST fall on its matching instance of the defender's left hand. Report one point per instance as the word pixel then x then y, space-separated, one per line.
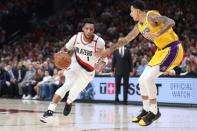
pixel 99 66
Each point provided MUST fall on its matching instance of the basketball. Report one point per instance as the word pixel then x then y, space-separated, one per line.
pixel 62 60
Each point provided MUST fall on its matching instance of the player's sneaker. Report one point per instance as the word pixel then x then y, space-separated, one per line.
pixel 67 109
pixel 149 118
pixel 139 117
pixel 46 116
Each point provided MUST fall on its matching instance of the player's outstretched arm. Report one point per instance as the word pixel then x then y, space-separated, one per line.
pixel 121 42
pixel 125 40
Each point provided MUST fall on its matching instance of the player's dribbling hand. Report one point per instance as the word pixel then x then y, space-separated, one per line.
pixel 64 49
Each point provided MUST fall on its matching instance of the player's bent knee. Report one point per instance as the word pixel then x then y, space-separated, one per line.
pixel 61 92
pixel 153 94
pixel 73 95
pixel 143 90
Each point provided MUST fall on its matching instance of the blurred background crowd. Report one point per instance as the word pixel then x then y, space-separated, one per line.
pixel 32 30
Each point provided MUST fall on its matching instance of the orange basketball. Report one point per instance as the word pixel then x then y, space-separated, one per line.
pixel 62 60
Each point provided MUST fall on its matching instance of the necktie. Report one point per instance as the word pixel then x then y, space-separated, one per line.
pixel 122 51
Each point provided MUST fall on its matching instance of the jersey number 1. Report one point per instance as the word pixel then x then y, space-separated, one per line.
pixel 88 58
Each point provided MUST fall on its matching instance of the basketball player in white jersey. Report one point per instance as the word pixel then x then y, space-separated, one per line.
pixel 82 68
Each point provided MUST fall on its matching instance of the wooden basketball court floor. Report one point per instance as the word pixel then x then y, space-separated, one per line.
pixel 24 115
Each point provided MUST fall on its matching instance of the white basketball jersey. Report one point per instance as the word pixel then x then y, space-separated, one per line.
pixel 84 52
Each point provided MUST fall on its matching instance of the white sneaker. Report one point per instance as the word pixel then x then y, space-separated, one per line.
pixel 36 97
pixel 23 97
pixel 47 117
pixel 28 97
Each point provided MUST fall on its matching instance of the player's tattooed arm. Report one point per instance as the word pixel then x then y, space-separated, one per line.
pixel 121 42
pixel 166 21
pixel 125 40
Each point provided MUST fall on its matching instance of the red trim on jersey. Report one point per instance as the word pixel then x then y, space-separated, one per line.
pixel 84 64
pixel 83 41
pixel 75 39
pixel 95 44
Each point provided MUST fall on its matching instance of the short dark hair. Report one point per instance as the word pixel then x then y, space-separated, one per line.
pixel 88 20
pixel 138 4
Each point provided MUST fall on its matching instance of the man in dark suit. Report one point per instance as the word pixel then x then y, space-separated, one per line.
pixel 4 81
pixel 122 68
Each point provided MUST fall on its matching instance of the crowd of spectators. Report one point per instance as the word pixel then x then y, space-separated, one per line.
pixel 18 15
pixel 26 69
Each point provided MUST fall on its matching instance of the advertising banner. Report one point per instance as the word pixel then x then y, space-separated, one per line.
pixel 169 90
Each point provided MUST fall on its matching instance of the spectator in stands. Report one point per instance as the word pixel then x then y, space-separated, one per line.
pixel 38 78
pixel 26 86
pixel 56 83
pixel 142 66
pixel 48 88
pixel 4 80
pixel 43 85
pixel 13 89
